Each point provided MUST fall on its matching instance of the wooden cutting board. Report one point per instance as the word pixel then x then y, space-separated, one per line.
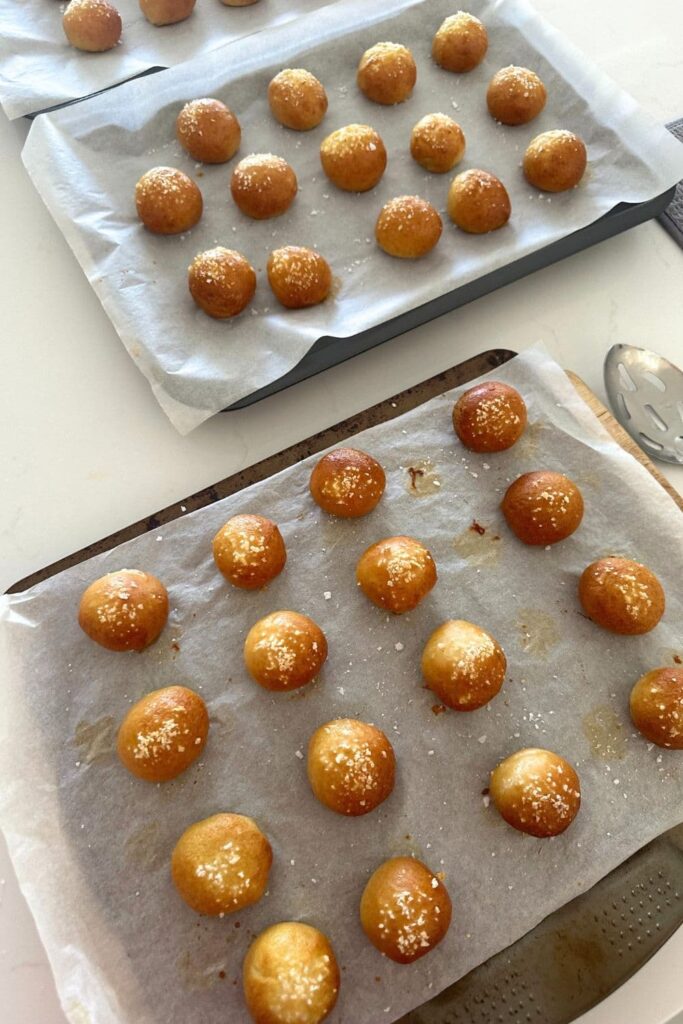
pixel 621 437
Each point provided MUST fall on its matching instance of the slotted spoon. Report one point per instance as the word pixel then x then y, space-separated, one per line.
pixel 646 394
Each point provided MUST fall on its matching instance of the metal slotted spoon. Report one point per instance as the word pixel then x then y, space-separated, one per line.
pixel 646 394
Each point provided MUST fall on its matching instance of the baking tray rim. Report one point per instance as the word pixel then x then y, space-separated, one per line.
pixel 320 357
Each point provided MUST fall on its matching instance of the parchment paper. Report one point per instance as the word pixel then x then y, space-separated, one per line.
pixel 91 845
pixel 39 69
pixel 85 162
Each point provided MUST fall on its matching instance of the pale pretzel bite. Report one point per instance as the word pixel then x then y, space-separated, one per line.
pixel 263 186
pixel 92 25
pixel 125 610
pixel 515 95
pixel 166 12
pixel 221 864
pixel 555 161
pixel 463 665
pixel 536 791
pixel 163 733
pixel 353 157
pixel 490 417
pixel 387 73
pixel 408 227
pixel 285 650
pixel 347 483
pixel 437 143
pixel 621 595
pixel 297 99
pixel 656 705
pixel 222 282
pixel 543 507
pixel 290 975
pixel 351 766
pixel 405 909
pixel 168 202
pixel 299 277
pixel 460 43
pixel 478 202
pixel 208 131
pixel 396 573
pixel 249 551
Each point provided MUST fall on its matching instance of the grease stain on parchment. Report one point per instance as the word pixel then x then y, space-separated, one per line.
pixel 196 976
pixel 479 545
pixel 530 442
pixel 142 847
pixel 605 733
pixel 538 632
pixel 422 478
pixel 95 740
pixel 589 481
pixel 337 285
pixel 78 1014
pixel 221 717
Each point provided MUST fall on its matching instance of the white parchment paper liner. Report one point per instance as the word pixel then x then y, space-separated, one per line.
pixel 91 845
pixel 85 162
pixel 39 69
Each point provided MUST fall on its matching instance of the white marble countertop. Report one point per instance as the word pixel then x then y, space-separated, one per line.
pixel 87 450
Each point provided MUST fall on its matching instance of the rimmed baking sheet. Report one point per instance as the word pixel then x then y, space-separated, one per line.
pixel 85 161
pixel 133 952
pixel 40 70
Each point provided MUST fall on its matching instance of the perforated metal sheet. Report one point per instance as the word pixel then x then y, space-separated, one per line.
pixel 579 954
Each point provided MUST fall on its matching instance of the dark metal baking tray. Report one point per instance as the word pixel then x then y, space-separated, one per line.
pixel 589 947
pixel 328 351
pixel 81 99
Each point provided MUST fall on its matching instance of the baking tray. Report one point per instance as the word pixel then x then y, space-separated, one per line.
pixel 197 367
pixel 328 351
pixel 589 947
pixel 91 95
pixel 40 72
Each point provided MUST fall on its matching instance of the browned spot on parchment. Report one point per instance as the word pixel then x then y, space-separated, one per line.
pixel 538 631
pixel 95 740
pixel 405 846
pixel 476 547
pixel 422 478
pixel 142 847
pixel 196 975
pixel 438 709
pixel 605 733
